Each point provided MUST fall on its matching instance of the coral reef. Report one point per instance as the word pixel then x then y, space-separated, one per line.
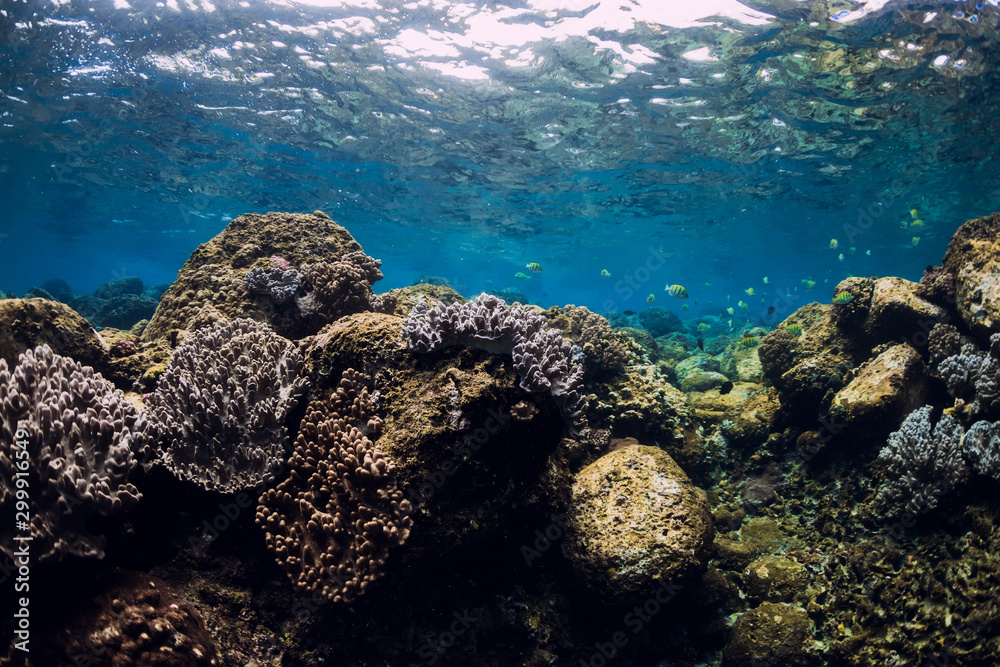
pixel 123 311
pixel 635 521
pixel 660 321
pixel 278 284
pixel 342 287
pixel 773 633
pixel 220 406
pixel 73 433
pixel 605 352
pixel 333 522
pixel 973 378
pixel 119 287
pixel 542 358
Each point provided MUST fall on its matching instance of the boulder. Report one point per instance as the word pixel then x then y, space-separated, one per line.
pixel 973 258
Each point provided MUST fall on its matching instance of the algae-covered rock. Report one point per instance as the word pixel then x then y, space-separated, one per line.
pixel 28 323
pixel 771 634
pixel 636 520
pixel 407 297
pixel 749 424
pixel 973 258
pixel 897 312
pixel 775 578
pixel 884 390
pixel 703 381
pixel 696 363
pixel 211 285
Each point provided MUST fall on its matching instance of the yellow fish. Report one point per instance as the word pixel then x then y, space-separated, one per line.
pixel 749 341
pixel 833 244
pixel 902 224
pixel 840 298
pixel 730 310
pixel 868 253
pixel 651 298
pixel 708 285
pixel 841 257
pixel 766 281
pixel 702 326
pixel 677 291
pixel 750 291
pixel 744 306
pixel 914 213
pixel 605 273
pixel 794 329
pixel 522 276
pixel 685 307
pixel 915 241
pixel 917 224
pixel 809 284
pixel 852 249
pixel 534 267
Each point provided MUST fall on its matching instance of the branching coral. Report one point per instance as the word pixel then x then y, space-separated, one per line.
pixel 219 408
pixel 71 432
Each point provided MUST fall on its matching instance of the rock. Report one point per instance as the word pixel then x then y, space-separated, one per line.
pixel 749 370
pixel 124 311
pixel 896 312
pixel 973 258
pixel 59 289
pixel 120 287
pixel 808 385
pixel 771 634
pixel 775 578
pixel 711 406
pixel 703 381
pixel 27 323
pixel 884 390
pixel 636 520
pixel 750 424
pixel 697 362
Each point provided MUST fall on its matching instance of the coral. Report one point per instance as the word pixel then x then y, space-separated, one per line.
pixel 973 258
pixel 59 289
pixel 636 521
pixel 771 634
pixel 605 353
pixel 211 287
pixel 341 287
pixel 333 522
pixel 28 323
pixel 982 448
pixel 137 621
pixel 923 462
pixel 123 311
pixel 974 377
pixel 541 357
pixel 73 433
pixel 123 347
pixel 937 285
pixel 220 406
pixel 279 285
pixel 660 321
pixel 777 353
pixel 408 297
pixel 120 287
pixel 775 578
pixel 943 341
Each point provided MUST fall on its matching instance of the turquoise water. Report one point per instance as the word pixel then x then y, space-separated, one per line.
pixel 661 143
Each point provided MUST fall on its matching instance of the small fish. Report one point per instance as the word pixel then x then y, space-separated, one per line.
pixel 729 299
pixel 701 345
pixel 520 275
pixel 834 244
pixel 743 305
pixel 726 387
pixel 915 241
pixel 914 213
pixel 809 284
pixel 702 326
pixel 868 252
pixel 766 280
pixel 749 341
pixel 651 298
pixel 730 310
pixel 677 291
pixel 534 267
pixel 750 291
pixel 917 224
pixel 605 273
pixel 770 311
pixel 840 298
pixel 707 285
pixel 852 249
pixel 794 329
pixel 841 257
pixel 685 307
pixel 730 325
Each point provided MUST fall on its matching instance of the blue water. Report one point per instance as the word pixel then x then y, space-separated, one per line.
pixel 593 137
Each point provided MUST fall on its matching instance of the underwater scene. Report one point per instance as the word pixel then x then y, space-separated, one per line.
pixel 569 333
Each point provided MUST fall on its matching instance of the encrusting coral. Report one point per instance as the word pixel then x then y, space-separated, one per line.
pixel 72 432
pixel 219 408
pixel 333 521
pixel 544 361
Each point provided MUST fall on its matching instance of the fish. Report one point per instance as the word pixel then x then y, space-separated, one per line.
pixel 522 276
pixel 710 302
pixel 534 267
pixel 834 244
pixel 730 322
pixel 914 213
pixel 743 305
pixel 730 310
pixel 852 249
pixel 685 307
pixel 701 344
pixel 677 291
pixel 840 298
pixel 902 224
pixel 841 257
pixel 766 280
pixel 750 291
pixel 915 241
pixel 726 387
pixel 809 284
pixel 917 224
pixel 651 298
pixel 707 285
pixel 702 326
pixel 868 252
pixel 749 341
pixel 729 299
pixel 605 273
pixel 770 311
pixel 794 329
